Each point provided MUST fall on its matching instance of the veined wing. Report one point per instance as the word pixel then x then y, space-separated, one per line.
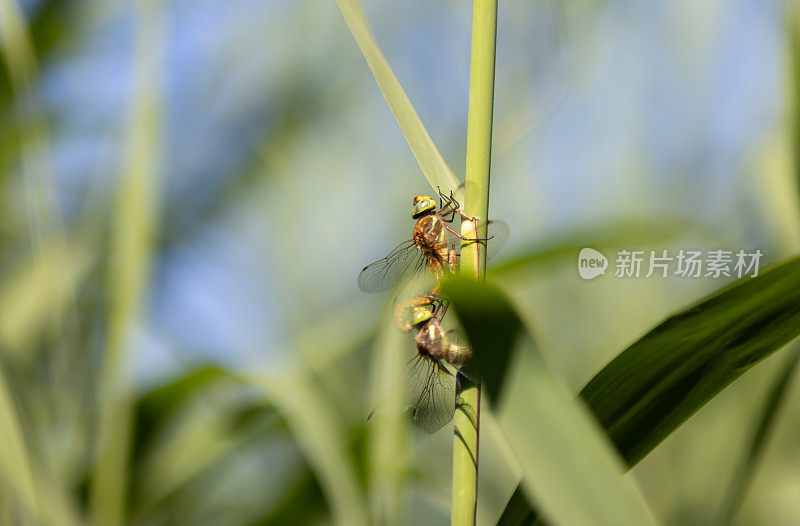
pixel 385 273
pixel 497 234
pixel 427 389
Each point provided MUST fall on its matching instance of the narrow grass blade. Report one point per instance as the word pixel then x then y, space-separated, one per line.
pixel 656 384
pixel 15 468
pixel 744 473
pixel 570 469
pixel 130 254
pixel 17 52
pixel 428 157
pixel 388 434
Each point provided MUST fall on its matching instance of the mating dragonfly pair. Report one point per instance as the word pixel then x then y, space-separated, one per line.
pixel 428 386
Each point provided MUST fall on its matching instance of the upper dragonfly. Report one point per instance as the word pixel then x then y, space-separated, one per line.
pixel 428 247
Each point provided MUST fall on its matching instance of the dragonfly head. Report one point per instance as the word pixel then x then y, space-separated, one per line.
pixel 422 204
pixel 419 315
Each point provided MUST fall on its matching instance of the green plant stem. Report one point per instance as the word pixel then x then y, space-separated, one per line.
pixel 473 260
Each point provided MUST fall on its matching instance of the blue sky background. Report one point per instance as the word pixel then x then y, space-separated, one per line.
pixel 652 110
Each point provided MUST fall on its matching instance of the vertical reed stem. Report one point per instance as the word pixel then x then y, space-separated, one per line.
pixel 473 260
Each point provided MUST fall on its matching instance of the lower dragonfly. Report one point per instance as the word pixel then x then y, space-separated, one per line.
pixel 427 387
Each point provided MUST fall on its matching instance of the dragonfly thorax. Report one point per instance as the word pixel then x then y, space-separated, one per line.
pixel 429 235
pixel 431 340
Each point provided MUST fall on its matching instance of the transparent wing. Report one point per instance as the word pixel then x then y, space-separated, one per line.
pixel 497 234
pixel 435 405
pixel 385 273
pixel 427 389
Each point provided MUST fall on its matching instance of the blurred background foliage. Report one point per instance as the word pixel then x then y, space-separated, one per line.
pixel 189 188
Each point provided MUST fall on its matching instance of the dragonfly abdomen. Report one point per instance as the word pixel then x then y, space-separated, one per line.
pixel 457 354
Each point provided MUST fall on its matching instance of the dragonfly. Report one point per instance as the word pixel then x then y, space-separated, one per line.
pixel 428 248
pixel 427 387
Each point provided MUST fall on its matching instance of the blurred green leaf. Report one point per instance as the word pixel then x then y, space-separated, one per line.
pixel 490 323
pixel 190 431
pixel 41 204
pixel 627 233
pixel 17 51
pixel 194 440
pixel 322 437
pixel 30 297
pixel 665 377
pixel 47 25
pixel 517 511
pixel 15 468
pixel 302 504
pixel 786 203
pixel 155 407
pixel 430 160
pixel 768 412
pixel 166 431
pixel 388 434
pixel 570 469
pixel 793 59
pixel 656 384
pixel 499 471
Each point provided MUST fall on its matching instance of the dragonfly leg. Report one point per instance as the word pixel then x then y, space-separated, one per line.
pixel 452 217
pixel 448 206
pixel 434 292
pixel 451 200
pixel 440 303
pixel 456 207
pixel 459 236
pixel 443 198
pixel 442 310
pixel 447 210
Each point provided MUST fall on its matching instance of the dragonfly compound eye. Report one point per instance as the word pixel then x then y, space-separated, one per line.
pixel 422 205
pixel 420 315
